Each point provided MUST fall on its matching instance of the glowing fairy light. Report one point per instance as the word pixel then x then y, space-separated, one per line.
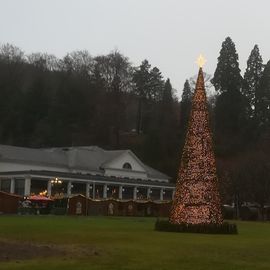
pixel 197 199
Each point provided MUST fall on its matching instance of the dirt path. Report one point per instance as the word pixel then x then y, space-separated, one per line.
pixel 16 251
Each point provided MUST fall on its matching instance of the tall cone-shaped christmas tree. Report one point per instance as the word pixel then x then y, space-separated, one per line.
pixel 197 199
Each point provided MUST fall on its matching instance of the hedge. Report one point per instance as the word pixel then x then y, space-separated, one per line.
pixel 224 228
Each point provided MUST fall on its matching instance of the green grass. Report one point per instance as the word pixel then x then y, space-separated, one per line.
pixel 131 243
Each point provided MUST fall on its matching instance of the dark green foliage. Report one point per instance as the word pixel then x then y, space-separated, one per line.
pixel 148 88
pixel 161 143
pixel 85 100
pixel 141 78
pixel 156 84
pixel 185 106
pixel 167 98
pixel 105 101
pixel 227 77
pixel 224 228
pixel 228 212
pixel 249 213
pixel 263 99
pixel 241 129
pixel 257 178
pixel 252 78
pixel 157 118
pixel 229 121
pixel 185 109
pixel 167 131
pixel 187 92
pixel 230 103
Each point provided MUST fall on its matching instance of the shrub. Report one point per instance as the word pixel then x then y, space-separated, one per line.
pixel 224 228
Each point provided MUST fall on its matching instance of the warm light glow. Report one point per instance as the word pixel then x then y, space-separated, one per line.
pixel 196 199
pixel 43 193
pixel 201 61
pixel 56 181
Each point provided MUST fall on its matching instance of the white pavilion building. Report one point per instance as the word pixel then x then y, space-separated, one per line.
pixel 88 170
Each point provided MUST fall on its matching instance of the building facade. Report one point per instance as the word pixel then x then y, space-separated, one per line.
pixel 87 170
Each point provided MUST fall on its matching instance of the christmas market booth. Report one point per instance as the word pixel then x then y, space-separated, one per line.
pixel 35 205
pixel 80 205
pixel 9 203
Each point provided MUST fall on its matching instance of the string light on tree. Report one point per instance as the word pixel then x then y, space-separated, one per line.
pixel 197 199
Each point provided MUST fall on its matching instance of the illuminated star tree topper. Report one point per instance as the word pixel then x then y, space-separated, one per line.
pixel 201 61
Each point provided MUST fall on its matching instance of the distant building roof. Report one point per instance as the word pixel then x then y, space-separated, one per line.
pixel 89 158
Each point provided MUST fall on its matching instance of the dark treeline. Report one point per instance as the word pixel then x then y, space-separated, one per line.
pixel 85 100
pixel 106 101
pixel 241 125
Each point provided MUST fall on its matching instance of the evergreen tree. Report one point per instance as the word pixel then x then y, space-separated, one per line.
pixel 263 99
pixel 187 92
pixel 185 106
pixel 156 85
pixel 227 77
pixel 168 124
pixel 149 86
pixel 167 98
pixel 141 78
pixel 168 121
pixel 229 110
pixel 161 139
pixel 252 77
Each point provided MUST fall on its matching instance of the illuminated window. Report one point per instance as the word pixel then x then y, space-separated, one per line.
pixel 127 166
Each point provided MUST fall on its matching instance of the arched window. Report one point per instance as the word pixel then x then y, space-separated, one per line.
pixel 127 166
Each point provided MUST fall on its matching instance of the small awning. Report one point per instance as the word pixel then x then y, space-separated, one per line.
pixel 39 198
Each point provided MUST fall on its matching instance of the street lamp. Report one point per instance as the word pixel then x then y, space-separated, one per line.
pixel 56 181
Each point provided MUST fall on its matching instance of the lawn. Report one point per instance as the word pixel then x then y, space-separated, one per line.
pixel 131 243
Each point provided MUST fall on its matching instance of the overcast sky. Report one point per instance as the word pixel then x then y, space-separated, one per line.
pixel 169 33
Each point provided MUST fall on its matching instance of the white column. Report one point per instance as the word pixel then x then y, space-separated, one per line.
pixel 49 188
pixel 87 192
pixel 69 187
pixel 12 185
pixel 135 193
pixel 27 186
pixel 173 194
pixel 161 194
pixel 94 190
pixel 149 193
pixel 120 195
pixel 105 191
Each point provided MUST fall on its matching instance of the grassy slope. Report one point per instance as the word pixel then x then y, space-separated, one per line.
pixel 131 243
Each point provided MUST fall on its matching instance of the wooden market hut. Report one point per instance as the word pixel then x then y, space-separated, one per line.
pixel 9 203
pixel 77 205
pixel 80 205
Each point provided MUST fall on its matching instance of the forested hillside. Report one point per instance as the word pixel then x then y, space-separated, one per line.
pixel 104 100
pixel 86 100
